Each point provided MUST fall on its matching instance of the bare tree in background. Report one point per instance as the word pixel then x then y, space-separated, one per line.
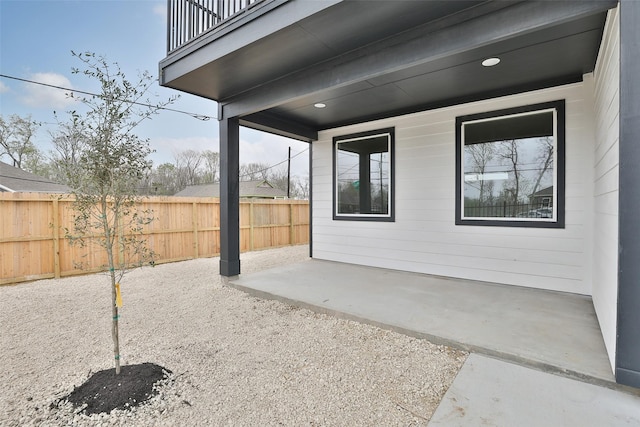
pixel 16 134
pixel 210 166
pixel 509 152
pixel 68 143
pixel 188 164
pixel 545 158
pixel 300 188
pixel 163 180
pixel 202 167
pixel 481 155
pixel 254 171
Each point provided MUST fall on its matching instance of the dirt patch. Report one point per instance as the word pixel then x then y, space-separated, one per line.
pixel 105 391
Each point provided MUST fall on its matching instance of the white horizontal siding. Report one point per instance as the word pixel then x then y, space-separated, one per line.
pixel 424 237
pixel 607 157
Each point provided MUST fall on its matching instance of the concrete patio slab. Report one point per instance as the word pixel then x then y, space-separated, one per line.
pixel 489 392
pixel 552 331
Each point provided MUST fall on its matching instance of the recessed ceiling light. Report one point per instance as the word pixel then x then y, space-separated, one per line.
pixel 319 105
pixel 490 62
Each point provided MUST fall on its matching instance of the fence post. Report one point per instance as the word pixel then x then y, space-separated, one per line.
pixel 251 225
pixel 194 221
pixel 291 228
pixel 56 239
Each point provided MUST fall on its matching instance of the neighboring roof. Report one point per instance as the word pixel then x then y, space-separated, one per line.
pixel 260 189
pixel 544 192
pixel 15 180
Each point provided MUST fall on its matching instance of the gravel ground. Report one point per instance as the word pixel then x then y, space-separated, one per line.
pixel 236 359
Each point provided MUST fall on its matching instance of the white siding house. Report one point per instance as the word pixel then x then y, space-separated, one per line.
pixel 605 189
pixel 424 237
pixel 407 90
pixel 581 258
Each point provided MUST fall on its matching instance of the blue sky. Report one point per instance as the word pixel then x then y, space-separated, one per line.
pixel 36 40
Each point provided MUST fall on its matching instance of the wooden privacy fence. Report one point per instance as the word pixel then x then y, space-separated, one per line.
pixel 33 244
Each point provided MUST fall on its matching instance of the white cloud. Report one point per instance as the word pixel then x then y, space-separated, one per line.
pixel 166 148
pixel 3 88
pixel 47 97
pixel 160 9
pixel 250 152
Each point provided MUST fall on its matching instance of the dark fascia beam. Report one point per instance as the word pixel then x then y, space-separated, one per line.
pixel 416 46
pixel 277 125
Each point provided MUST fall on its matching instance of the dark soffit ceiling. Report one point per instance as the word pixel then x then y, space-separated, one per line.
pixel 555 56
pixel 547 57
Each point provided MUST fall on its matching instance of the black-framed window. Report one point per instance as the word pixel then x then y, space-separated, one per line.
pixel 510 167
pixel 363 176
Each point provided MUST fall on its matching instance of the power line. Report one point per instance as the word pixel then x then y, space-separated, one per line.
pixel 273 166
pixel 202 117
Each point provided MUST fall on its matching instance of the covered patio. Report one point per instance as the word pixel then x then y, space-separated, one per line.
pixel 549 331
pixel 425 74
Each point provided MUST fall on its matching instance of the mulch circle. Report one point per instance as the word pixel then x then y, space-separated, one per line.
pixel 105 391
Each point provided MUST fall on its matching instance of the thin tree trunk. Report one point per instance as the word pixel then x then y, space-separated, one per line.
pixel 114 324
pixel 114 308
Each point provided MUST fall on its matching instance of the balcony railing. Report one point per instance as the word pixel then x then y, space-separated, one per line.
pixel 187 19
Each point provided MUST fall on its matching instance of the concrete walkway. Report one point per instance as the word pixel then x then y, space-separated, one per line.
pixel 490 392
pixel 528 335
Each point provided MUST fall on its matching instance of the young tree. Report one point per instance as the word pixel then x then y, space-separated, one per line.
pixel 105 163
